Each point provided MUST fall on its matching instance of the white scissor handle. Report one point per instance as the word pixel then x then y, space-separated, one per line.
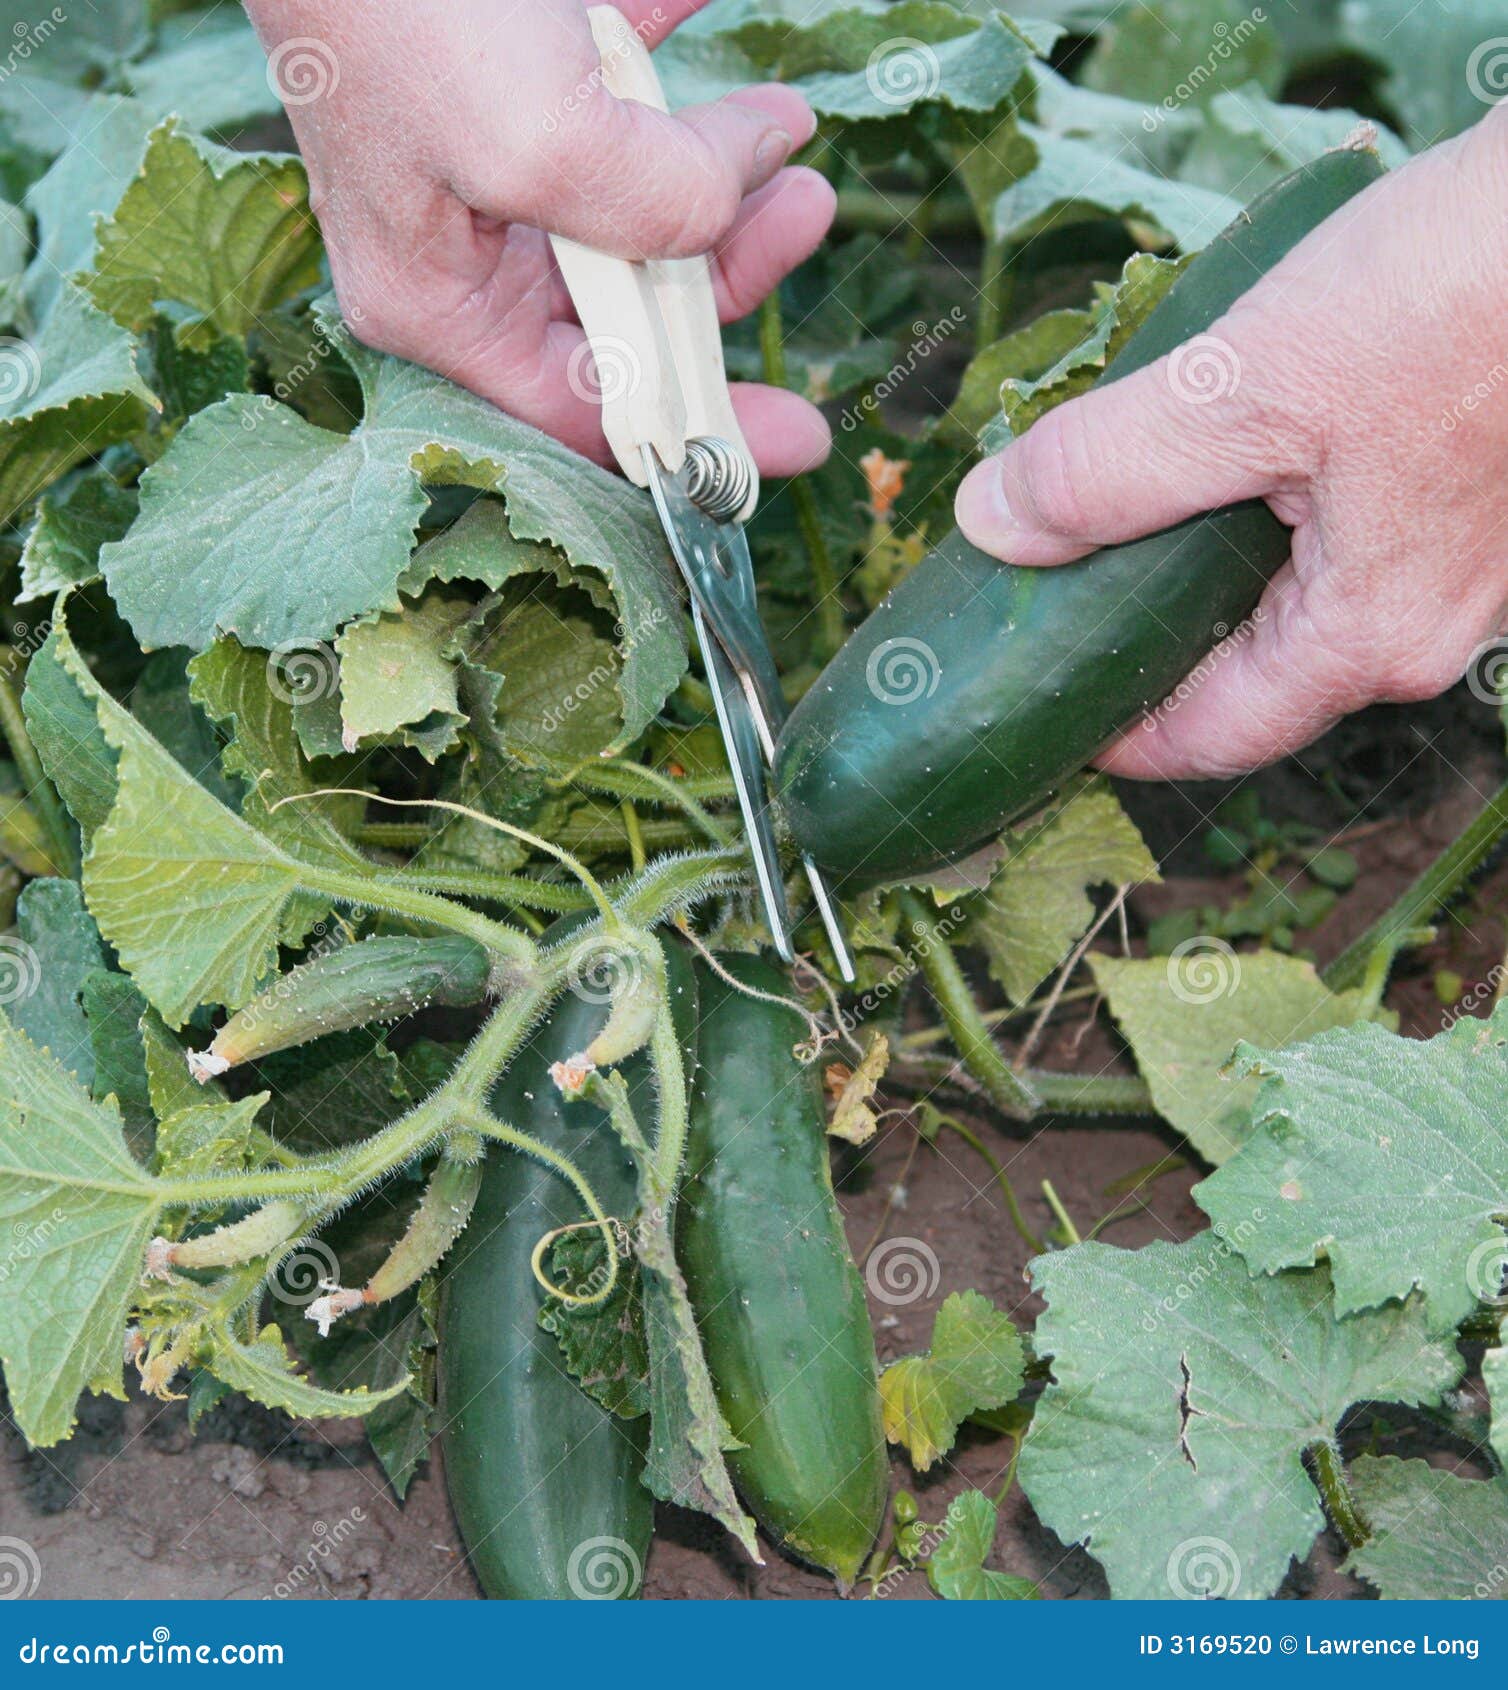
pixel 652 326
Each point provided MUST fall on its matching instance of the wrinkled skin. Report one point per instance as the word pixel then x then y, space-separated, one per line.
pixel 444 140
pixel 1357 388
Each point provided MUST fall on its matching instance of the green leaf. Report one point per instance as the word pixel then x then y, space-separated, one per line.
pixel 258 524
pixel 1184 51
pixel 193 899
pixel 263 1371
pixel 1057 355
pixel 214 1137
pixel 162 702
pixel 384 1346
pixel 857 61
pixel 214 77
pixel 1038 903
pixel 224 236
pixel 956 1568
pixel 483 546
pixel 1184 1395
pixel 1495 1378
pixel 976 1361
pixel 1444 64
pixel 113 1009
pixel 76 1212
pixel 1387 1155
pixel 82 43
pixel 64 398
pixel 43 969
pixel 64 727
pixel 398 676
pixel 73 522
pixel 1184 1014
pixel 602 1343
pixel 1436 1537
pixel 1075 179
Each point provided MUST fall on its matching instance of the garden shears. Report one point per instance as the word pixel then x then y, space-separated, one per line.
pixel 653 332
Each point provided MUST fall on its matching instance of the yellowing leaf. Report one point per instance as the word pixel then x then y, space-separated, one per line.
pixel 976 1361
pixel 852 1118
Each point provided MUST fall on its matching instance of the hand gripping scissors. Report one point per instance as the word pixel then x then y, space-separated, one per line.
pixel 653 331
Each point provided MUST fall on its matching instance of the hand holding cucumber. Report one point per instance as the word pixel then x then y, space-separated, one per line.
pixel 1353 389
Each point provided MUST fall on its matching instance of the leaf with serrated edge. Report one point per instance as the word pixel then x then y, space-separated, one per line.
pixel 397 673
pixel 192 898
pixel 225 236
pixel 1184 1396
pixel 1038 903
pixel 76 1211
pixel 1184 1015
pixel 1387 1155
pixel 263 1371
pixel 60 949
pixel 258 524
pixel 975 1361
pixel 62 549
pixel 1436 1537
pixel 956 1568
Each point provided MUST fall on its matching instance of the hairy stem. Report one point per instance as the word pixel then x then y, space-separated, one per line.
pixel 1340 1504
pixel 1434 888
pixel 1008 1090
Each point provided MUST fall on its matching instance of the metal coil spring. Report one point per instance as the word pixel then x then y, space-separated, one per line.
pixel 719 478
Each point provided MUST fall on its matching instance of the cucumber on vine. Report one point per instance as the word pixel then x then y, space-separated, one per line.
pixel 977 687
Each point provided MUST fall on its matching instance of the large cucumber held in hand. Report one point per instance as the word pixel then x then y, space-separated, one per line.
pixel 977 687
pixel 776 1294
pixel 544 1481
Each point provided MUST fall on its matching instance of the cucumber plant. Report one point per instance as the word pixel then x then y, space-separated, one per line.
pixel 374 892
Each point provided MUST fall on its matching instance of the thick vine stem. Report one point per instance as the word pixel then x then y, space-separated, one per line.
pixel 1007 1090
pixel 1433 889
pixel 1340 1504
pixel 1057 1094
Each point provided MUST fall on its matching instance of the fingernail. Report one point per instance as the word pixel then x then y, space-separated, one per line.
pixel 770 154
pixel 983 511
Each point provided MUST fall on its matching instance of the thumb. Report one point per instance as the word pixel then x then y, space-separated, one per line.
pixel 1190 433
pixel 640 183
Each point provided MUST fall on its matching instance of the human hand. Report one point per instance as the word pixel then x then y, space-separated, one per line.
pixel 1360 388
pixel 446 139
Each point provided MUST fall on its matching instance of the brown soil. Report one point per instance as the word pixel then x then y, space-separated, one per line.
pixel 134 1507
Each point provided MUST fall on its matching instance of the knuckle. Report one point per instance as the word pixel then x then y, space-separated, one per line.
pixel 1054 465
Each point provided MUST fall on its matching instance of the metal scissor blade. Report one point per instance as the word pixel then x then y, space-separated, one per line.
pixel 740 737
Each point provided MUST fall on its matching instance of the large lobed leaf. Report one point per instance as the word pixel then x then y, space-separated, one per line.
pixel 76 1212
pixel 1184 1395
pixel 1388 1156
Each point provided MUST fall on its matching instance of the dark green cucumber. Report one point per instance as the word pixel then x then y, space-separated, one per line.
pixel 977 687
pixel 545 1483
pixel 779 1301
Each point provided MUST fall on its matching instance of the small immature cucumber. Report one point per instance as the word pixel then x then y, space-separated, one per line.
pixel 779 1301
pixel 545 1482
pixel 977 687
pixel 372 980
